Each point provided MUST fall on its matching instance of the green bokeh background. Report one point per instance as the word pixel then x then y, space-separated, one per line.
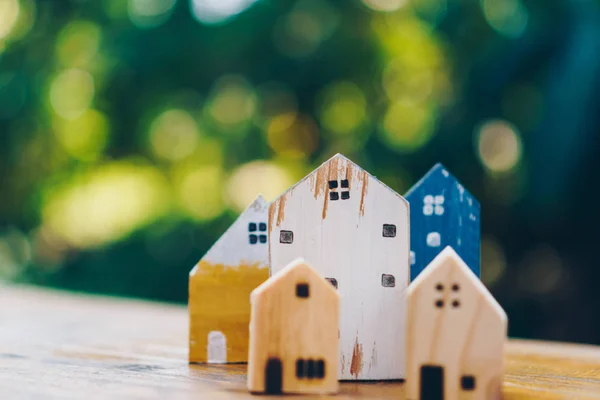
pixel 133 132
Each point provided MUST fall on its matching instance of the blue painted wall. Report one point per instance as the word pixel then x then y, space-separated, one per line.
pixel 442 213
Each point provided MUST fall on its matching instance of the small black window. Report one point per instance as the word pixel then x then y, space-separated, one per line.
pixel 286 237
pixel 333 282
pixel 251 227
pixel 455 287
pixel 262 238
pixel 345 195
pixel 439 287
pixel 334 196
pixel 262 227
pixel 345 183
pixel 333 184
pixel 389 230
pixel 388 280
pixel 456 304
pixel 300 368
pixel 467 382
pixel 320 369
pixel 302 290
pixel 310 369
pixel 439 303
pixel 253 239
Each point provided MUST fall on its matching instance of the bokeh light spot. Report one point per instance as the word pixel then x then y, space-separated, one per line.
pixel 385 5
pixel 232 103
pixel 200 191
pixel 78 43
pixel 344 108
pixel 499 146
pixel 84 137
pixel 71 93
pixel 493 260
pixel 407 126
pixel 507 17
pixel 106 204
pixel 174 135
pixel 254 178
pixel 292 135
pixel 9 15
pixel 150 13
pixel 218 11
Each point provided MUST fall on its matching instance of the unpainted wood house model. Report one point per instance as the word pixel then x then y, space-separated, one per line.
pixel 294 333
pixel 442 213
pixel 354 230
pixel 456 334
pixel 220 286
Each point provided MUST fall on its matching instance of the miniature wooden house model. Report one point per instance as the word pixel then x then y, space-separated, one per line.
pixel 220 286
pixel 456 334
pixel 354 230
pixel 442 213
pixel 294 333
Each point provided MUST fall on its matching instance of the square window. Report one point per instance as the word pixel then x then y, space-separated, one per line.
pixel 262 238
pixel 333 184
pixel 345 195
pixel 251 227
pixel 388 280
pixel 333 282
pixel 253 239
pixel 262 227
pixel 334 196
pixel 302 290
pixel 345 183
pixel 467 382
pixel 286 237
pixel 389 230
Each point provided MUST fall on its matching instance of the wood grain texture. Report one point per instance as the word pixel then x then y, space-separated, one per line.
pixel 56 345
pixel 354 229
pixel 220 286
pixel 456 333
pixel 442 213
pixel 294 324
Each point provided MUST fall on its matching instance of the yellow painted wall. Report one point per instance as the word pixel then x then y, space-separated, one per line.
pixel 219 300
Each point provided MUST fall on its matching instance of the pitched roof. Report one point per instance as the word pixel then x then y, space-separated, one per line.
pixel 437 168
pixel 449 255
pixel 280 276
pixel 342 157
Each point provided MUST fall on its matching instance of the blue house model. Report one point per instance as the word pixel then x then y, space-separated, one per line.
pixel 442 213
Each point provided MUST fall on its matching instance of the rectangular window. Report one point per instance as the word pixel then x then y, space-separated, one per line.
pixel 345 195
pixel 251 227
pixel 333 184
pixel 320 369
pixel 253 239
pixel 302 290
pixel 388 280
pixel 333 282
pixel 300 368
pixel 389 230
pixel 334 196
pixel 262 227
pixel 345 183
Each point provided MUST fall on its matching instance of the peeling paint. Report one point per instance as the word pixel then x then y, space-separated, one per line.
pixel 343 363
pixel 357 355
pixel 281 209
pixel 374 355
pixel 272 214
pixel 349 174
pixel 365 190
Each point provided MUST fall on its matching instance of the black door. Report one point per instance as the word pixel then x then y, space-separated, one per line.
pixel 273 376
pixel 432 382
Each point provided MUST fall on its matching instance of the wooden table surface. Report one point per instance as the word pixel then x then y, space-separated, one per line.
pixel 61 345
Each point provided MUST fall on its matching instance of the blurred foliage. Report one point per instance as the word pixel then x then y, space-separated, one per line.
pixel 132 132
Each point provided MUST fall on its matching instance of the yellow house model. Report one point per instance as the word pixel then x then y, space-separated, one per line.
pixel 456 334
pixel 294 336
pixel 220 286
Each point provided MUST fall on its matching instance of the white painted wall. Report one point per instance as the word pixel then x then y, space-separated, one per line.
pixel 233 247
pixel 348 245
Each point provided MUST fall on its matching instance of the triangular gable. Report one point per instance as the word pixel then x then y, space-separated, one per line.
pixel 219 255
pixel 450 255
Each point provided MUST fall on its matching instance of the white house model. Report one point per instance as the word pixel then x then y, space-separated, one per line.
pixel 456 334
pixel 353 230
pixel 220 285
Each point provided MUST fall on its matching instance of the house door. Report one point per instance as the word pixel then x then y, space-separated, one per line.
pixel 273 376
pixel 217 347
pixel 432 382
